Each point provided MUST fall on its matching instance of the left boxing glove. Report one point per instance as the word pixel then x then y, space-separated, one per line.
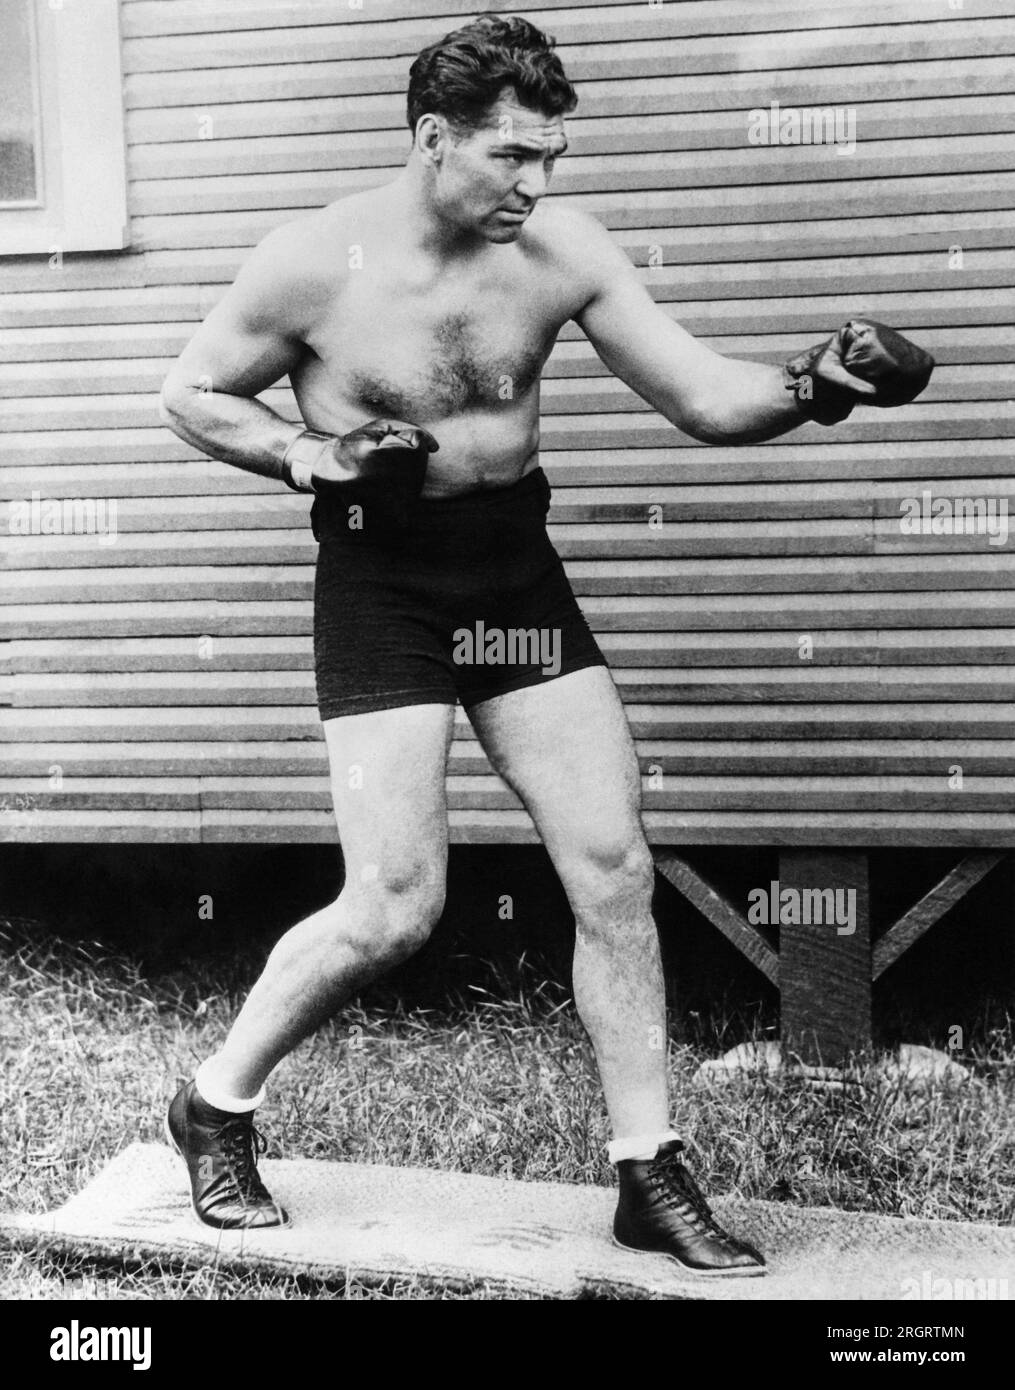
pixel 864 363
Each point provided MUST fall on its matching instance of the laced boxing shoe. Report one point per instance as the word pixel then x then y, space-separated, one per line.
pixel 662 1209
pixel 221 1150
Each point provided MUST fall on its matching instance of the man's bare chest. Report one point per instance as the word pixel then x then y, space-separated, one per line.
pixel 451 347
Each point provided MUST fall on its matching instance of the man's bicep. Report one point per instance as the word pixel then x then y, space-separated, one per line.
pixel 251 338
pixel 230 354
pixel 645 348
pixel 639 342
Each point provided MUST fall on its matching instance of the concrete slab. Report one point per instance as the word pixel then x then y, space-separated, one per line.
pixel 548 1239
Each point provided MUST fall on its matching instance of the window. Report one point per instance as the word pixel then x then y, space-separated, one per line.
pixel 20 151
pixel 62 161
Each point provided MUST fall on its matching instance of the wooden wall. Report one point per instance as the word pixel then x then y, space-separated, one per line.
pixel 244 113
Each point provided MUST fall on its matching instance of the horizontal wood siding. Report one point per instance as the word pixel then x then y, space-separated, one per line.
pixel 116 726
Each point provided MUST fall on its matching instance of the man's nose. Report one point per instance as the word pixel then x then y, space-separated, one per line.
pixel 532 184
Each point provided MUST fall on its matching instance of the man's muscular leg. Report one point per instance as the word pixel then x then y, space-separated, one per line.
pixel 388 782
pixel 387 779
pixel 565 747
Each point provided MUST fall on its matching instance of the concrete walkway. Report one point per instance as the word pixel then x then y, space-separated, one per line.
pixel 549 1239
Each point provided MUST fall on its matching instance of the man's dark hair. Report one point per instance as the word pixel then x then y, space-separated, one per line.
pixel 462 75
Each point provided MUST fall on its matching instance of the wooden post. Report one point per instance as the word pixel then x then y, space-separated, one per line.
pixel 824 967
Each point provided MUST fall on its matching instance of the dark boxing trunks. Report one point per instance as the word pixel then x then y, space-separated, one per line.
pixel 463 600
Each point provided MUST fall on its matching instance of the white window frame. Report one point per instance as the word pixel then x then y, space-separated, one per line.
pixel 82 151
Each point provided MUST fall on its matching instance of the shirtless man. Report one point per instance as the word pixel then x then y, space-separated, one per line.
pixel 414 320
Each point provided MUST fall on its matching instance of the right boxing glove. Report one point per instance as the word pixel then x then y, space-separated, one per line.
pixel 389 454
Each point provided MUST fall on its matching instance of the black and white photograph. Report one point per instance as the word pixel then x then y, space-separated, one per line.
pixel 507 683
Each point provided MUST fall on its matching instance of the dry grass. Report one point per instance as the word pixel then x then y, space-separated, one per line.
pixel 498 1082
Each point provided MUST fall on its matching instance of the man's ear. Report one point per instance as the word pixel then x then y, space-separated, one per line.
pixel 431 135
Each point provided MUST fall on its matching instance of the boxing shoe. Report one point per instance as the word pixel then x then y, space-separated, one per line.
pixel 221 1149
pixel 662 1209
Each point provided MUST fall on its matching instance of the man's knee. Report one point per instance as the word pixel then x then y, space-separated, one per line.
pixel 612 876
pixel 388 912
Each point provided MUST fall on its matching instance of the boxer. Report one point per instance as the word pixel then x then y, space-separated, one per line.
pixel 414 320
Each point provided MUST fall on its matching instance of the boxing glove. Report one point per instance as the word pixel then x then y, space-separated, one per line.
pixel 383 455
pixel 864 363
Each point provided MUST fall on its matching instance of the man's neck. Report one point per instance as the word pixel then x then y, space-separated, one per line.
pixel 420 223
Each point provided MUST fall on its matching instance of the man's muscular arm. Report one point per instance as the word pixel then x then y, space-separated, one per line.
pixel 716 399
pixel 252 337
pixel 722 400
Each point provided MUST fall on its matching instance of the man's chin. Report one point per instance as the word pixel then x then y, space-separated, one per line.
pixel 500 232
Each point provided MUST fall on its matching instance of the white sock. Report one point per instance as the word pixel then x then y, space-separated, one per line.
pixel 638 1146
pixel 206 1081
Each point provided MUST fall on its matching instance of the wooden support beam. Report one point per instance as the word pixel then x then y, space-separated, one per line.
pixel 824 965
pixel 931 908
pixel 712 905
